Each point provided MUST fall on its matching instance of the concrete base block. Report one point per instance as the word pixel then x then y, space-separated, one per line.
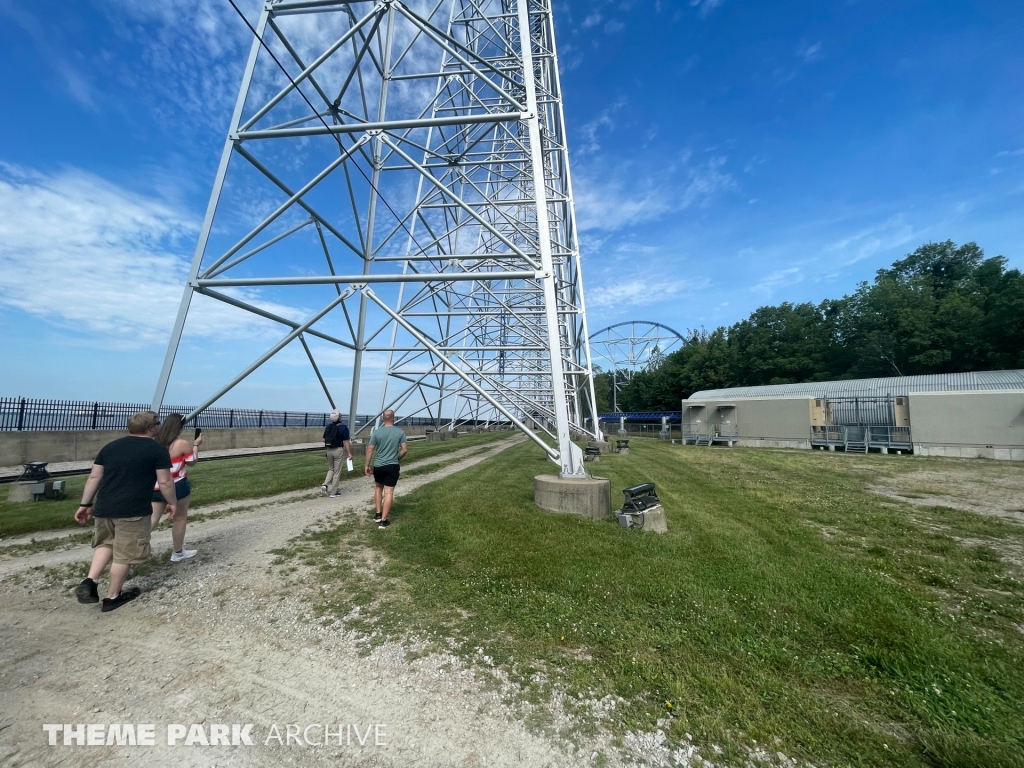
pixel 654 521
pixel 19 492
pixel 588 496
pixel 435 437
pixel 622 451
pixel 603 445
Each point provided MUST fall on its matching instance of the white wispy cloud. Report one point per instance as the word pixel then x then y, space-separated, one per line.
pixel 611 199
pixel 810 53
pixel 592 20
pixel 191 54
pixel 70 75
pixel 633 293
pixel 781 277
pixel 705 7
pixel 891 233
pixel 589 141
pixel 90 256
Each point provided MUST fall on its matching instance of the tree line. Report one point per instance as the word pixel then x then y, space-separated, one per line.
pixel 943 309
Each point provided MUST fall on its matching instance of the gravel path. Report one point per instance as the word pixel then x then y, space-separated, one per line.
pixel 220 639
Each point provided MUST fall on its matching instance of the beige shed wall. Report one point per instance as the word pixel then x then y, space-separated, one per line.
pixel 779 422
pixel 980 424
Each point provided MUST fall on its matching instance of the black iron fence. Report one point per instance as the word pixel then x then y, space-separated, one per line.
pixel 30 414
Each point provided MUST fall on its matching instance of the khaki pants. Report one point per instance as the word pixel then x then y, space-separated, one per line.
pixel 335 466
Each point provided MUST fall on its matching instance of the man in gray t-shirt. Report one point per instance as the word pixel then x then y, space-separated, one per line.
pixel 386 449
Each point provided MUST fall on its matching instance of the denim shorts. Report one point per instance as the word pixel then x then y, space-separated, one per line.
pixel 182 490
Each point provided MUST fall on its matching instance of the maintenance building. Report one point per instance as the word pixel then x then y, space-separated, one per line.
pixel 967 415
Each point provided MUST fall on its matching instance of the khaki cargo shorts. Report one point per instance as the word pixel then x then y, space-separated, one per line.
pixel 127 536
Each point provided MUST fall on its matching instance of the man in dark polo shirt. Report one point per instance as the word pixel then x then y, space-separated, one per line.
pixel 121 483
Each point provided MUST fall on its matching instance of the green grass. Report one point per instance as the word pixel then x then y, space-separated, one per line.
pixel 222 480
pixel 787 605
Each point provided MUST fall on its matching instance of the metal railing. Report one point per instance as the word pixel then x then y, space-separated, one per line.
pixel 709 434
pixel 25 414
pixel 862 438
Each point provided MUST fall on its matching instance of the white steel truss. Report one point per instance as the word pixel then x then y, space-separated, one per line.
pixel 418 155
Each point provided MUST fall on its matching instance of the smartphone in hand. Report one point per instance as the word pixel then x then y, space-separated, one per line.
pixel 199 431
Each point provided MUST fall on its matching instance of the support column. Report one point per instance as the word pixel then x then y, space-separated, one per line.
pixel 566 454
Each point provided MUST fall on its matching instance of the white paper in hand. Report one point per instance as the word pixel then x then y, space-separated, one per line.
pixel 348 464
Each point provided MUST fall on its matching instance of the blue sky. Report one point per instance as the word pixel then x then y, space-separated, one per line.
pixel 726 154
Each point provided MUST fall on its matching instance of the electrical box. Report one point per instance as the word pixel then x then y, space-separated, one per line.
pixel 901 410
pixel 821 412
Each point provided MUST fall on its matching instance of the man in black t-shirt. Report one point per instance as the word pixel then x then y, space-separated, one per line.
pixel 339 447
pixel 121 482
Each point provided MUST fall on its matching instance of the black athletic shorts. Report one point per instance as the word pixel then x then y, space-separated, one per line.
pixel 387 475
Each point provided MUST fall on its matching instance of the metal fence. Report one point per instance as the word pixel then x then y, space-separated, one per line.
pixel 28 414
pixel 862 411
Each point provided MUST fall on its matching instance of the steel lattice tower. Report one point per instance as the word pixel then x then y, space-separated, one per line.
pixel 417 156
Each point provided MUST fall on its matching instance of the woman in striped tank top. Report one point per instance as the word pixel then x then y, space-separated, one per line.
pixel 183 454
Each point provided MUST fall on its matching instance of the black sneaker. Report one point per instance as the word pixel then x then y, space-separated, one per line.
pixel 383 524
pixel 86 592
pixel 126 596
pixel 376 518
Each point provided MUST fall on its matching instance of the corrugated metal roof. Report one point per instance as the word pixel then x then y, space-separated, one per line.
pixel 891 386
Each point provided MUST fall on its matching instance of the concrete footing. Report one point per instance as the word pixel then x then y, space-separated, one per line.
pixel 19 492
pixel 654 521
pixel 603 445
pixel 585 496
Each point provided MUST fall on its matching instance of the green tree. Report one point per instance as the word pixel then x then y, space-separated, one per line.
pixel 943 308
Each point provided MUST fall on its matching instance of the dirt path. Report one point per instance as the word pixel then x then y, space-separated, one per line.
pixel 219 639
pixel 163 537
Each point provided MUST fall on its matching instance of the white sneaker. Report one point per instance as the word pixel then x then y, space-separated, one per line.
pixel 323 490
pixel 185 554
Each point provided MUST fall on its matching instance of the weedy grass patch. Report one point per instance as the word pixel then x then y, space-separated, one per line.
pixel 788 605
pixel 218 480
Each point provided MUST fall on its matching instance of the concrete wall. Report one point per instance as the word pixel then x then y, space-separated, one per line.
pixel 782 422
pixel 20 447
pixel 982 424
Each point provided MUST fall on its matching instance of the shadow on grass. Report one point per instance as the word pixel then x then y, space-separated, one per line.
pixel 787 605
